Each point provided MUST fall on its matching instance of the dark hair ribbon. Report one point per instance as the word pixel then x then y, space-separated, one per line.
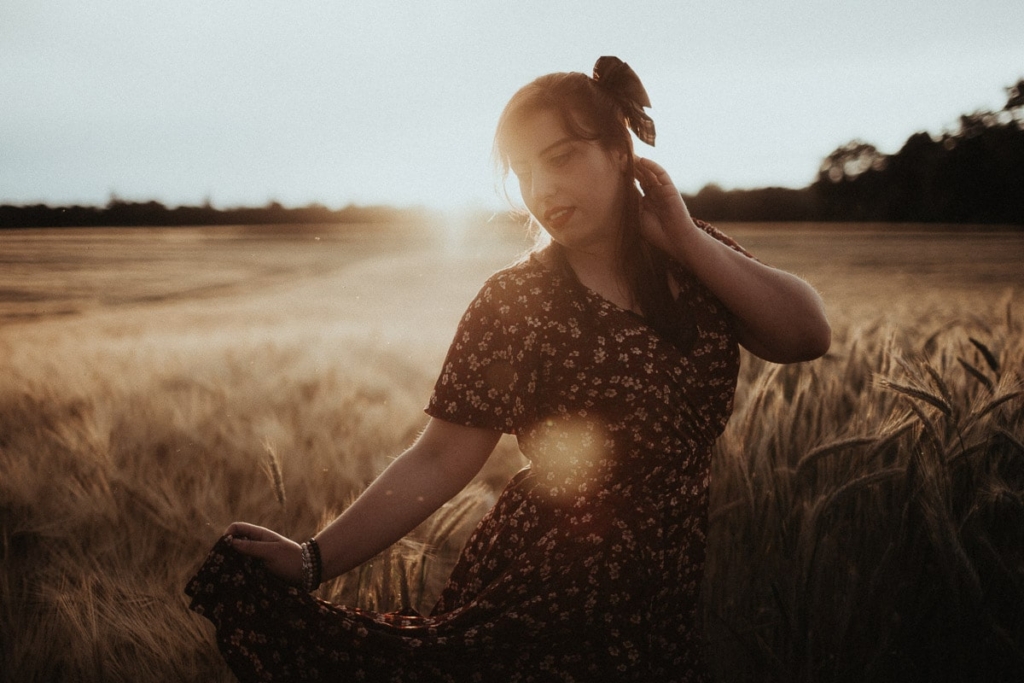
pixel 616 78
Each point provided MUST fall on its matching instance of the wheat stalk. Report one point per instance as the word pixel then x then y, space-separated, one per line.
pixel 830 448
pixel 976 374
pixel 989 357
pixel 1010 438
pixel 996 402
pixel 947 396
pixel 272 467
pixel 914 392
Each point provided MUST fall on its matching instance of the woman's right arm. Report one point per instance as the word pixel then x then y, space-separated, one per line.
pixel 437 466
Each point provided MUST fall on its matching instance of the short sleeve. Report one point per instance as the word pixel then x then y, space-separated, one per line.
pixel 488 379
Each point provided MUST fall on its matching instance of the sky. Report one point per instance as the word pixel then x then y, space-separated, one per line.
pixel 343 102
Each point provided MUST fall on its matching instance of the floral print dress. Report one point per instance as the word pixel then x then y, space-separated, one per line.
pixel 588 567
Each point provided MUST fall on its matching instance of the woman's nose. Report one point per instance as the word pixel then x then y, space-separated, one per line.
pixel 542 185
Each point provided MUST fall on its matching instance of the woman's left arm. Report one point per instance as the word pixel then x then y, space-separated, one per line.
pixel 779 316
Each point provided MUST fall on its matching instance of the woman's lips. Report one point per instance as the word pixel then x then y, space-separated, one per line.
pixel 557 217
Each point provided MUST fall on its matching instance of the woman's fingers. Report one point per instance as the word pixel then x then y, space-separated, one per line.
pixel 653 178
pixel 644 174
pixel 258 542
pixel 249 531
pixel 253 540
pixel 651 170
pixel 281 556
pixel 650 165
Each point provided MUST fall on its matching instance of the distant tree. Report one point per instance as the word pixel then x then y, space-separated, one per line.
pixel 970 174
pixel 847 178
pixel 711 202
pixel 910 193
pixel 976 123
pixel 1015 101
pixel 986 169
pixel 761 204
pixel 1015 95
pixel 849 161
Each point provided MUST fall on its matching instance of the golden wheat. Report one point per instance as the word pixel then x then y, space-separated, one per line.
pixel 867 514
pixel 892 550
pixel 272 467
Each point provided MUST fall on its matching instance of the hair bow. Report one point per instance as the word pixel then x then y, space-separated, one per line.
pixel 621 82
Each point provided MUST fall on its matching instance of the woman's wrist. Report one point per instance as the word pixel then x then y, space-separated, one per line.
pixel 685 245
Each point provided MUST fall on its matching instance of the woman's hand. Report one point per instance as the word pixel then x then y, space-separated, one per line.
pixel 282 556
pixel 664 219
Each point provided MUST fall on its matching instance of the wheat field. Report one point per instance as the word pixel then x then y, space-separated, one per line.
pixel 867 516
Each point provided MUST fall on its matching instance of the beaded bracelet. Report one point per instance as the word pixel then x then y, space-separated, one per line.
pixel 307 567
pixel 312 565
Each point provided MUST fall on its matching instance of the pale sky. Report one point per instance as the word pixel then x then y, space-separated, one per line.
pixel 343 102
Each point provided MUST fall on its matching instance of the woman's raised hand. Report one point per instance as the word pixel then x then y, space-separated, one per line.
pixel 664 219
pixel 282 556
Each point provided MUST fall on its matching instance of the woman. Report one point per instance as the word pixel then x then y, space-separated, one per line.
pixel 612 355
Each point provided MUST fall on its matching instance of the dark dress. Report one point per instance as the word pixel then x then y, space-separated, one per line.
pixel 588 567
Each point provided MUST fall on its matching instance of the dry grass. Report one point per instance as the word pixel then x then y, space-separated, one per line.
pixel 867 512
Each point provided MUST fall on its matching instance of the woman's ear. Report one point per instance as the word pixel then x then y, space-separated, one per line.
pixel 622 159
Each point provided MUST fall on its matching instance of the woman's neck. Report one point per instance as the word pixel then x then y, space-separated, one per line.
pixel 601 272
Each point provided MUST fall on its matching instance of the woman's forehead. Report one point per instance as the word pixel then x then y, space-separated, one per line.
pixel 535 132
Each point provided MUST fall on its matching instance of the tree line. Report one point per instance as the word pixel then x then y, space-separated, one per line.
pixel 118 212
pixel 972 174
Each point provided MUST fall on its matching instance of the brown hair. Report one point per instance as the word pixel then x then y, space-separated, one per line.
pixel 589 112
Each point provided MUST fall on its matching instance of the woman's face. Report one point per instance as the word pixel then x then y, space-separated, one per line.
pixel 574 188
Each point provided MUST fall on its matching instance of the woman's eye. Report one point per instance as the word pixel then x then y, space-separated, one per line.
pixel 561 159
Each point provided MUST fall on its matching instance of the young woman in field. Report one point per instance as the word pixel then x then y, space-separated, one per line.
pixel 612 355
